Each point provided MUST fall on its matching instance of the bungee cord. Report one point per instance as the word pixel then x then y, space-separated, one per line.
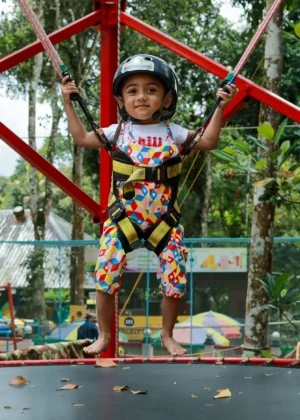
pixel 61 68
pixel 230 79
pixel 43 37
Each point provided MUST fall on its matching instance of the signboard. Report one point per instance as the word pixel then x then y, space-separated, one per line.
pixel 200 260
pixel 136 331
pixel 76 313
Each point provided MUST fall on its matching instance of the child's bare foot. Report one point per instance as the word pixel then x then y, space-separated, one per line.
pixel 172 346
pixel 100 345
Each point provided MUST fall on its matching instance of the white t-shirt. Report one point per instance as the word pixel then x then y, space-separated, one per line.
pixel 151 132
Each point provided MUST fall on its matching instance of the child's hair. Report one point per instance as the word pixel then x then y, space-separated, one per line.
pixel 148 64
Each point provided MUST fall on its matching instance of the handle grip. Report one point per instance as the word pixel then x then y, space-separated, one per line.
pixel 73 96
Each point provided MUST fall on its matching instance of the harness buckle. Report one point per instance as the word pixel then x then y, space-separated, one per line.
pixel 159 174
pixel 172 217
pixel 116 211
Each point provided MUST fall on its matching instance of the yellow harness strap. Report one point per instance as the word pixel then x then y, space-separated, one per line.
pixel 135 173
pixel 128 229
pixel 159 233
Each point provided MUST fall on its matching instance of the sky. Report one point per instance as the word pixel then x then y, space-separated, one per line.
pixel 14 113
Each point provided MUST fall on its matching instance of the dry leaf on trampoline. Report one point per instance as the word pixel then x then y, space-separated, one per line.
pixel 77 405
pixel 105 363
pixel 194 396
pixel 18 380
pixel 118 388
pixel 269 374
pixel 68 387
pixel 65 379
pixel 223 393
pixel 138 392
pixel 7 407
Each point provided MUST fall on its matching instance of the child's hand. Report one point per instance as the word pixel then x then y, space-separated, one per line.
pixel 226 97
pixel 67 88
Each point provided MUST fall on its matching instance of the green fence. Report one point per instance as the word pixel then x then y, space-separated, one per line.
pixel 217 271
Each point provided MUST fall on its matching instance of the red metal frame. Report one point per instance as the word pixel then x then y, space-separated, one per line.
pixel 254 91
pixel 194 360
pixel 54 175
pixel 109 113
pixel 105 17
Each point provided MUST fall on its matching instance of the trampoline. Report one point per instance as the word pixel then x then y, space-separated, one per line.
pixel 260 388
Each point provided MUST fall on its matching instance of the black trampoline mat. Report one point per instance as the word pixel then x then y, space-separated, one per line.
pixel 170 388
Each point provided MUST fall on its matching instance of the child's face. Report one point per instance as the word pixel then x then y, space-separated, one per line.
pixel 142 95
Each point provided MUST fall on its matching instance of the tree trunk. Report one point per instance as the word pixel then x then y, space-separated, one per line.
pixel 256 319
pixel 36 274
pixel 77 253
pixel 206 199
pixel 40 201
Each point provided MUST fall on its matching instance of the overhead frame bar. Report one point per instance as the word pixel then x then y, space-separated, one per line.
pixel 255 91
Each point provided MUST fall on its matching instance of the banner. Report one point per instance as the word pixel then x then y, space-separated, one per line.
pixel 200 260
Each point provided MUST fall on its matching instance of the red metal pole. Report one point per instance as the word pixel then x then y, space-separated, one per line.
pixel 42 165
pixel 12 315
pixel 108 112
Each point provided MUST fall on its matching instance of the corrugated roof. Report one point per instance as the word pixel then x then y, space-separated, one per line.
pixel 13 256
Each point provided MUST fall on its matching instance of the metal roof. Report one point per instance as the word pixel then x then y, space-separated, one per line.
pixel 13 256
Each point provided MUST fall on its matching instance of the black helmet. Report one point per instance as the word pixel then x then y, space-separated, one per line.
pixel 149 64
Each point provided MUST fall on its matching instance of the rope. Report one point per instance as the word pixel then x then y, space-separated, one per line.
pixel 188 174
pixel 195 179
pixel 41 34
pixel 132 290
pixel 256 37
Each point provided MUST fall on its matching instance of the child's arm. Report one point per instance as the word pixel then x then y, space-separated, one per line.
pixel 210 138
pixel 77 129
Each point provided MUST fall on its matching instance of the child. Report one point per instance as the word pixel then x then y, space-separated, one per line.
pixel 146 90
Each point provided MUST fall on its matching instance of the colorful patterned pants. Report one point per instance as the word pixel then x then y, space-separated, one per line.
pixel 112 261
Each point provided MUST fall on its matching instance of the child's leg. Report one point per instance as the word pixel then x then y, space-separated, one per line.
pixel 105 309
pixel 109 268
pixel 171 274
pixel 170 311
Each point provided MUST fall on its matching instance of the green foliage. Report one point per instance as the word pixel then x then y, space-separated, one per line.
pixel 281 295
pixel 283 188
pixel 53 295
pixel 266 131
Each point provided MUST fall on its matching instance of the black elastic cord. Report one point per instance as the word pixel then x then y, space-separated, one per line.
pixel 75 97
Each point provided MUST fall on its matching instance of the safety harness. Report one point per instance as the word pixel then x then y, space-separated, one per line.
pixel 124 173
